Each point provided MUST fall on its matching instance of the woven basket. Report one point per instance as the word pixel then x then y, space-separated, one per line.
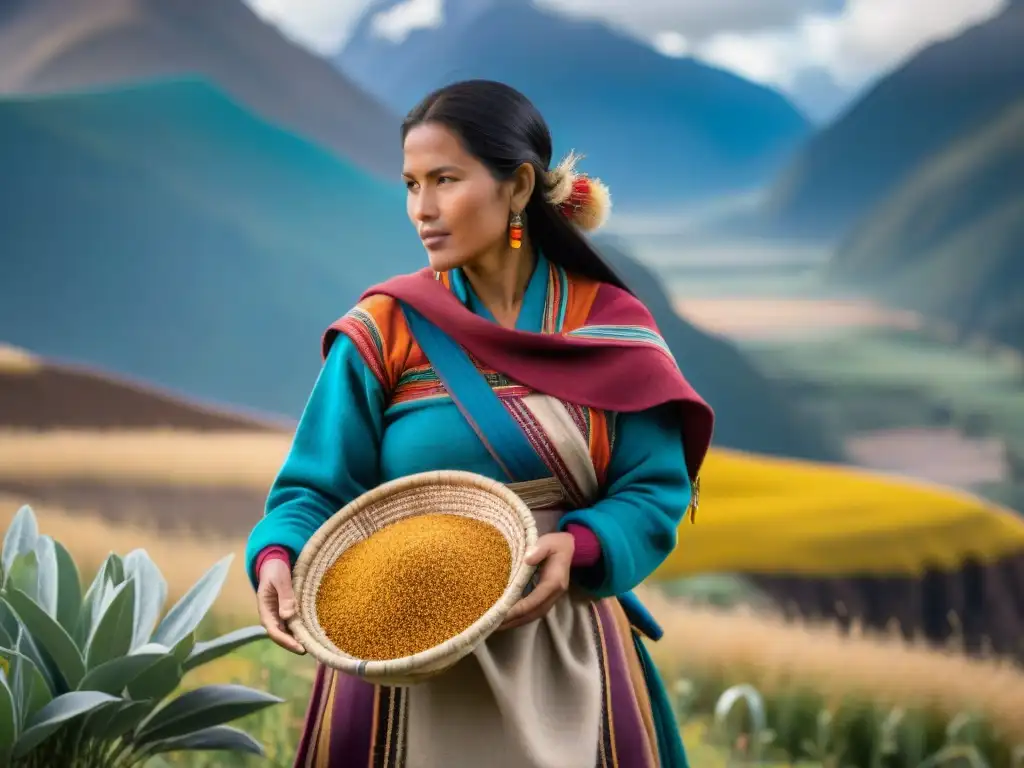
pixel 451 492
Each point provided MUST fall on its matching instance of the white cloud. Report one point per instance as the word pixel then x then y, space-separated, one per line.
pixel 324 25
pixel 397 22
pixel 671 44
pixel 320 25
pixel 866 37
pixel 693 19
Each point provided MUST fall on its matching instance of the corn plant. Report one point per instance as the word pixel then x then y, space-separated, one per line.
pixel 801 728
pixel 756 736
pixel 86 681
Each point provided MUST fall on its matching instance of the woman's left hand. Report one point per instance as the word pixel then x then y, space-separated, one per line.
pixel 553 553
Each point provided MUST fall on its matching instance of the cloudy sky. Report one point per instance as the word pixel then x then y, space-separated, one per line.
pixel 819 51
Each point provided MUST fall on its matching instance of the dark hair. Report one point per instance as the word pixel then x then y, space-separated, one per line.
pixel 501 127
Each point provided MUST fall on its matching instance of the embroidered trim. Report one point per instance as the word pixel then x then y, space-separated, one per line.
pixel 359 325
pixel 387 749
pixel 628 333
pixel 580 417
pixel 422 383
pixel 606 757
pixel 548 453
pixel 556 303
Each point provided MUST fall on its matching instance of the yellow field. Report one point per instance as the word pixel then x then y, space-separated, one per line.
pixel 785 516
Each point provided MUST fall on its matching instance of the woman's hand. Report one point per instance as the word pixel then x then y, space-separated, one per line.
pixel 275 601
pixel 554 555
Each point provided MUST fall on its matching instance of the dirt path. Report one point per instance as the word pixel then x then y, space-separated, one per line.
pixel 938 455
pixel 771 318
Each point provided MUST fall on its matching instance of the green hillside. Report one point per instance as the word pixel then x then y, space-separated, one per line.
pixel 57 46
pixel 164 232
pixel 949 240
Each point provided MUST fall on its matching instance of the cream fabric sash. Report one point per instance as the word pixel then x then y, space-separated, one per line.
pixel 528 697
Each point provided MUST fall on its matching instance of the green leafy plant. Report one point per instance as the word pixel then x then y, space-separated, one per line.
pixel 86 681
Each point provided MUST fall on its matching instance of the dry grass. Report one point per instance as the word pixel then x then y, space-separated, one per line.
pixel 776 655
pixel 17 361
pixel 124 457
pixel 763 649
pixel 181 557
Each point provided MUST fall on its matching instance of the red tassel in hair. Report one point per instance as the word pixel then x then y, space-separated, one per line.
pixel 578 199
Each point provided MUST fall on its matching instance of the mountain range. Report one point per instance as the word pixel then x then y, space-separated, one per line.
pixel 51 46
pixel 938 97
pixel 949 240
pixel 658 130
pixel 921 184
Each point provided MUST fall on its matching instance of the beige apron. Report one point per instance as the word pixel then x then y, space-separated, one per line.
pixel 528 697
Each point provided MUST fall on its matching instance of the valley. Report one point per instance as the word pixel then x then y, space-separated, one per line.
pixel 901 392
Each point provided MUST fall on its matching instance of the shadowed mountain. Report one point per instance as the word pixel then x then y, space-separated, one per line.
pixel 949 240
pixel 56 45
pixel 941 95
pixel 165 233
pixel 657 129
pixel 750 414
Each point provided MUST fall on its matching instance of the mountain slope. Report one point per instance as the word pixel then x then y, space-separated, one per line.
pixel 940 95
pixel 38 395
pixel 657 129
pixel 949 240
pixel 750 414
pixel 164 232
pixel 57 45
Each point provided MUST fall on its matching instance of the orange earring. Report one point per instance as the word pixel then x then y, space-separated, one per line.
pixel 515 230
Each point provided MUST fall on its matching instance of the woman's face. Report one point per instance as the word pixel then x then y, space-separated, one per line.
pixel 459 210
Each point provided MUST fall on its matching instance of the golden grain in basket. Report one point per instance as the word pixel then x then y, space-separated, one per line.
pixel 412 585
pixel 413 575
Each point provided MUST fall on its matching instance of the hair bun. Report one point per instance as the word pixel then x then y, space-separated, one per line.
pixel 583 200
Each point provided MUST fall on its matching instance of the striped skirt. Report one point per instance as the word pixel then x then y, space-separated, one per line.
pixel 575 689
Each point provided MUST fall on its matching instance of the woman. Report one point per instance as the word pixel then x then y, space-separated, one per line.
pixel 599 432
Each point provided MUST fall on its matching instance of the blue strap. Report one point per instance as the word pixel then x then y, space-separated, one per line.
pixel 472 394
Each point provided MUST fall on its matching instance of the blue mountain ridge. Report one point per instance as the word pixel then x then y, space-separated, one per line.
pixel 936 98
pixel 57 46
pixel 164 232
pixel 659 130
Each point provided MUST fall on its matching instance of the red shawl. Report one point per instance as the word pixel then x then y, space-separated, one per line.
pixel 611 374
